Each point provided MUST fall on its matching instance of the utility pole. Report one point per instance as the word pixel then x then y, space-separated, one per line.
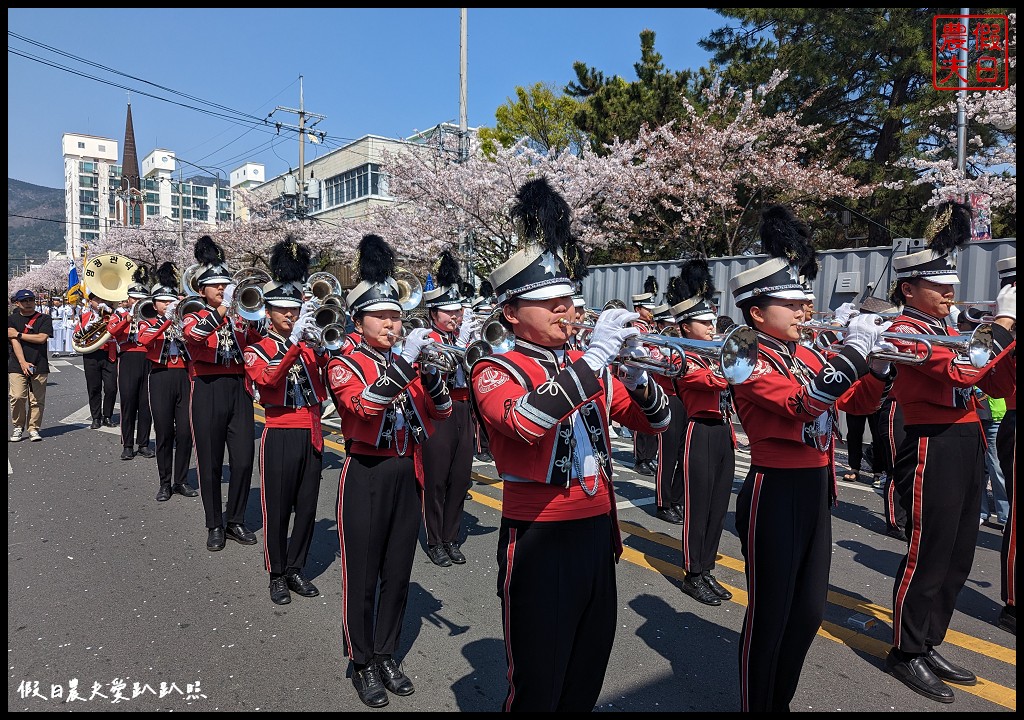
pixel 464 123
pixel 961 101
pixel 303 131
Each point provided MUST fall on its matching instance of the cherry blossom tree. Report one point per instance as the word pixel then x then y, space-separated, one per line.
pixel 50 277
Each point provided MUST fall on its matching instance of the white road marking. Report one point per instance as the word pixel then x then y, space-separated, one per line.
pixel 83 417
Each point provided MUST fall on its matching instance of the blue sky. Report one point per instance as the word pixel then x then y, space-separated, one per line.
pixel 389 72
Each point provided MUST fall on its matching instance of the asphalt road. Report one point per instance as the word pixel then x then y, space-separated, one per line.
pixel 115 597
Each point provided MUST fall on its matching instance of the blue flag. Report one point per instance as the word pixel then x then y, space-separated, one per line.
pixel 430 282
pixel 74 293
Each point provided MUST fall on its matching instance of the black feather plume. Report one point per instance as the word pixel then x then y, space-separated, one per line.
pixel 167 275
pixel 486 289
pixel 375 262
pixel 651 285
pixel 289 261
pixel 142 275
pixel 783 235
pixel 542 215
pixel 673 294
pixel 695 280
pixel 446 270
pixel 950 229
pixel 208 252
pixel 467 290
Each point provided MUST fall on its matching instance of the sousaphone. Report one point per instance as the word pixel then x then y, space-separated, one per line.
pixel 108 278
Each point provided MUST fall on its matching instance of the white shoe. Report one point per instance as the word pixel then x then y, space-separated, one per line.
pixel 34 436
pixel 17 434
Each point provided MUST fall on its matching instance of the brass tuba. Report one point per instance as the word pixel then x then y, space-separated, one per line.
pixel 107 277
pixel 410 290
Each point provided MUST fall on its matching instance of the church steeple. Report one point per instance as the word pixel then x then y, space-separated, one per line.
pixel 130 159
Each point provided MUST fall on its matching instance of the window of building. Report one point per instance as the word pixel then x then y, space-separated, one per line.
pixel 152 210
pixel 89 210
pixel 86 167
pixel 352 185
pixel 103 148
pixel 81 145
pixel 87 181
pixel 90 224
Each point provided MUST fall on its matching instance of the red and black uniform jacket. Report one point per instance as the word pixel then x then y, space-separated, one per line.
pixel 154 338
pixel 289 379
pixel 125 333
pixel 938 391
pixel 110 346
pixel 788 405
pixel 215 343
pixel 456 381
pixel 371 388
pixel 527 398
pixel 704 392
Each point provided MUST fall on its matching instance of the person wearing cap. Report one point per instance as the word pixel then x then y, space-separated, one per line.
pixel 222 411
pixel 1006 450
pixel 286 368
pixel 940 464
pixel 788 409
pixel 100 365
pixel 388 407
pixel 546 410
pixel 169 388
pixel 28 332
pixel 133 368
pixel 705 461
pixel 448 453
pixel 579 305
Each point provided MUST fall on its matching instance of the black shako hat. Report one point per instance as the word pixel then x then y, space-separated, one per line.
pixel 445 295
pixel 166 287
pixel 794 261
pixel 377 289
pixel 1007 270
pixel 139 287
pixel 697 287
pixel 289 267
pixel 947 232
pixel 551 259
pixel 210 255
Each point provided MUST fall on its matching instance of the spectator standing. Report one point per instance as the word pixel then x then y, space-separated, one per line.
pixel 28 331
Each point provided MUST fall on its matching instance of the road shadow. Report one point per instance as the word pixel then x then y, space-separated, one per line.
pixel 483 688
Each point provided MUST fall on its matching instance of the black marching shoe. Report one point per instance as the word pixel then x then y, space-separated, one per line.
pixel 394 679
pixel 146 452
pixel 108 422
pixel 897 533
pixel 184 489
pixel 95 424
pixel 695 587
pixel 164 493
pixel 369 686
pixel 279 590
pixel 454 553
pixel 240 534
pixel 950 672
pixel 918 676
pixel 438 556
pixel 1008 619
pixel 716 587
pixel 643 468
pixel 215 539
pixel 299 584
pixel 127 453
pixel 669 515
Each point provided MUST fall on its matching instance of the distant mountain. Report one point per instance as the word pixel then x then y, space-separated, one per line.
pixel 35 221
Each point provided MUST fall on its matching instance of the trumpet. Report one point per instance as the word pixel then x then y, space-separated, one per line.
pixel 325 286
pixel 978 347
pixel 446 358
pixel 248 302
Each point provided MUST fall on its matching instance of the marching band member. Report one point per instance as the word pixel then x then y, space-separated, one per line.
pixel 788 409
pixel 645 445
pixel 1006 449
pixel 169 388
pixel 448 454
pixel 133 372
pixel 288 374
pixel 707 454
pixel 100 366
pixel 387 410
pixel 546 412
pixel 222 411
pixel 483 306
pixel 668 483
pixel 940 465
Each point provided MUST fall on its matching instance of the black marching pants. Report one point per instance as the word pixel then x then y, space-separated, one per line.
pixel 890 428
pixel 940 473
pixel 645 447
pixel 222 416
pixel 169 391
pixel 1006 447
pixel 133 385
pixel 707 464
pixel 378 526
pixel 447 464
pixel 668 480
pixel 785 529
pixel 556 581
pixel 101 383
pixel 290 471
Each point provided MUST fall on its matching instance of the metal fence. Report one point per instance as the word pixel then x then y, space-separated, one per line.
pixel 842 275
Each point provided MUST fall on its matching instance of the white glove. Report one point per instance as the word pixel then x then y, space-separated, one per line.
pixel 863 332
pixel 1006 302
pixel 302 327
pixel 470 325
pixel 171 311
pixel 845 312
pixel 608 337
pixel 631 375
pixel 882 367
pixel 229 293
pixel 413 343
pixel 954 316
pixel 104 308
